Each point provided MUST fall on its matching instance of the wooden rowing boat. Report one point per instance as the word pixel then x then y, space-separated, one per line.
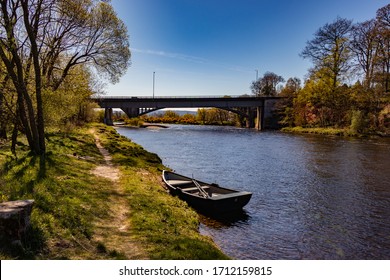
pixel 203 196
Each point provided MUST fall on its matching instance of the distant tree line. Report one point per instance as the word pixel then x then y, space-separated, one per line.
pixel 50 52
pixel 211 116
pixel 349 83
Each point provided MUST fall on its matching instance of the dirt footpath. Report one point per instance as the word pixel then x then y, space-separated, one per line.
pixel 114 232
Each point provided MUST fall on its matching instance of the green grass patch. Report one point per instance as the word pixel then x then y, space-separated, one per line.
pixel 70 202
pixel 321 130
pixel 67 198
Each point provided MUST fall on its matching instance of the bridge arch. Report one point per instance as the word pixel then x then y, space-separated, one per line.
pixel 245 114
pixel 233 110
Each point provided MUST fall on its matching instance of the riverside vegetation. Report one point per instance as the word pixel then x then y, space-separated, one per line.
pixel 72 204
pixel 347 89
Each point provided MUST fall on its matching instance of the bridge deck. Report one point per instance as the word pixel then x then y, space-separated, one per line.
pixel 182 102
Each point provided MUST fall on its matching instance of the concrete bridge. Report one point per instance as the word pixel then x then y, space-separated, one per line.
pixel 252 108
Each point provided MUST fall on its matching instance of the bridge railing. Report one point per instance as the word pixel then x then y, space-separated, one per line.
pixel 171 97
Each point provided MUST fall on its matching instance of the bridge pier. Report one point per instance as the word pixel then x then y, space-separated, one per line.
pixel 255 117
pixel 250 121
pixel 108 116
pixel 260 118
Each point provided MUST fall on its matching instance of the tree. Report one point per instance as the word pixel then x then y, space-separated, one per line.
pixel 266 86
pixel 67 105
pixel 285 106
pixel 292 87
pixel 3 115
pixel 329 50
pixel 364 46
pixel 383 22
pixel 201 115
pixel 41 41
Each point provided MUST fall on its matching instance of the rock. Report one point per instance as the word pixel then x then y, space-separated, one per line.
pixel 15 218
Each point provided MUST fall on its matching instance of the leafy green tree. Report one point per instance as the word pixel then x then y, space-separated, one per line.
pixel 285 107
pixel 41 41
pixel 70 103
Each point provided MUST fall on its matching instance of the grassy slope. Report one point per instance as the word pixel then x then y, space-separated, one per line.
pixel 167 227
pixel 70 200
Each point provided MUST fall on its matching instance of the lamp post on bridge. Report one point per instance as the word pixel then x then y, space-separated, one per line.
pixel 154 78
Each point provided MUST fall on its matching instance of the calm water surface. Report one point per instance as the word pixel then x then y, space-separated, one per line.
pixel 313 197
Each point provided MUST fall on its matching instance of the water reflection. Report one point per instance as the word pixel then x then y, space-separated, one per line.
pixel 221 220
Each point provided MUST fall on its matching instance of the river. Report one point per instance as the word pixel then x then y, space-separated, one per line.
pixel 314 197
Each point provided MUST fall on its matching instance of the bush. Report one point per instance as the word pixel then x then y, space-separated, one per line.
pixel 357 122
pixel 134 122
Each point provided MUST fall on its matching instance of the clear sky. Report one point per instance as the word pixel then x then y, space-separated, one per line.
pixel 214 47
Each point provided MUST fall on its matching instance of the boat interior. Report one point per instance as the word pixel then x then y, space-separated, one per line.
pixel 198 188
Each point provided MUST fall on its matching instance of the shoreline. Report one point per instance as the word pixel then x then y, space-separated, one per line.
pixel 342 132
pixel 330 131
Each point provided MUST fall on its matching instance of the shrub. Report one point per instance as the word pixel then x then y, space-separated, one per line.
pixel 357 122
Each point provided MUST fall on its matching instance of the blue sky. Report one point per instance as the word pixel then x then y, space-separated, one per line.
pixel 213 47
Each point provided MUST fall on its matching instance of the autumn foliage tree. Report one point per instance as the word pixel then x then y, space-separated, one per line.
pixel 348 85
pixel 43 41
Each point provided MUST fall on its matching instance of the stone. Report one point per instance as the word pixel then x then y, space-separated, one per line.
pixel 15 218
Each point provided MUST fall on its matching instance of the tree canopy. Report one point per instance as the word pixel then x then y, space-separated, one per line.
pixel 329 50
pixel 349 83
pixel 43 41
pixel 267 85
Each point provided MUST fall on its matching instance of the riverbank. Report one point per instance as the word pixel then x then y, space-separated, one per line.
pixel 76 213
pixel 331 131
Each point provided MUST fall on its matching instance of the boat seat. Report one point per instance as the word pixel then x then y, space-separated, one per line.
pixel 177 183
pixel 195 189
pixel 231 195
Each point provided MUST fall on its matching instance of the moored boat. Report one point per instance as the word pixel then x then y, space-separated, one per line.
pixel 210 198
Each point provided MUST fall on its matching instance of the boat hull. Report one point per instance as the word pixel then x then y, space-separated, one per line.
pixel 217 200
pixel 217 206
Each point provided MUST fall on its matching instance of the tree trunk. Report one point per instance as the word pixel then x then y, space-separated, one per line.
pixel 14 138
pixel 32 31
pixel 3 119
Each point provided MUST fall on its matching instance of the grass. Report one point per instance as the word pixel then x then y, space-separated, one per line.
pixel 167 227
pixel 321 130
pixel 67 198
pixel 70 202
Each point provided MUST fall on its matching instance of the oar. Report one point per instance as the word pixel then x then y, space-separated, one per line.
pixel 202 191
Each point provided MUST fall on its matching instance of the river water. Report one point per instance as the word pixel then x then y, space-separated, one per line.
pixel 314 197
